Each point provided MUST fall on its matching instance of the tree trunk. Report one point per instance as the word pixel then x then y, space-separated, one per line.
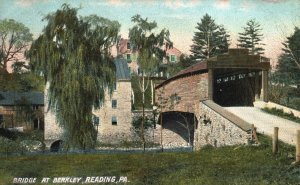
pixel 5 66
pixel 208 47
pixel 143 120
pixel 189 133
pixel 161 130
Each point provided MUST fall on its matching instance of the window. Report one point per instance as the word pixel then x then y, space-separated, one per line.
pixel 173 58
pixel 128 45
pixel 115 86
pixel 128 57
pixel 36 124
pixel 96 120
pixel 35 107
pixel 114 104
pixel 114 120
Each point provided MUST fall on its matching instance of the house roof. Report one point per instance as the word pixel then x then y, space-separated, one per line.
pixel 11 98
pixel 122 70
pixel 196 67
pixel 173 51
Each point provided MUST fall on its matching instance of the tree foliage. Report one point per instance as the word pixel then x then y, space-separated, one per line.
pixel 251 37
pixel 152 48
pixel 15 37
pixel 21 82
pixel 137 122
pixel 183 63
pixel 142 36
pixel 288 70
pixel 74 56
pixel 292 47
pixel 137 98
pixel 209 40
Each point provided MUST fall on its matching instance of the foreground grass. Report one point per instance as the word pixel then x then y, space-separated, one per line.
pixel 227 165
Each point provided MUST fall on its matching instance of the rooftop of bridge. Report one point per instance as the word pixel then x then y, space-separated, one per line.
pixel 236 58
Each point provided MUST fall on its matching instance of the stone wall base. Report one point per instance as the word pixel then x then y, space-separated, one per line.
pixel 216 130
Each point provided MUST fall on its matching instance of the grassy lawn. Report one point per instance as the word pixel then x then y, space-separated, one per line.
pixel 227 165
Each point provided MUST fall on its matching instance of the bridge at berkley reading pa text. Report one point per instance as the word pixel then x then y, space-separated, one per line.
pixel 222 94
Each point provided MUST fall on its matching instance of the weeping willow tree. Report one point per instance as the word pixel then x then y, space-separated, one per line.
pixel 73 54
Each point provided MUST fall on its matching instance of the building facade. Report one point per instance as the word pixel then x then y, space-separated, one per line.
pixel 114 116
pixel 22 111
pixel 124 51
pixel 112 120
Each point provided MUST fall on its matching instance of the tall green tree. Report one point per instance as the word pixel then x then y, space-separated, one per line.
pixel 15 38
pixel 21 79
pixel 74 56
pixel 209 40
pixel 292 47
pixel 152 49
pixel 251 38
pixel 288 67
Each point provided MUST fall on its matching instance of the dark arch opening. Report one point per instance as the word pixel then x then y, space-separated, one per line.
pixel 181 123
pixel 56 146
pixel 236 87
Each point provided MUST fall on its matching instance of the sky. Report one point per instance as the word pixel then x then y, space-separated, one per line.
pixel 277 17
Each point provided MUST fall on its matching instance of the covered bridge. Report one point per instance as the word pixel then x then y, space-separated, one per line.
pixel 236 78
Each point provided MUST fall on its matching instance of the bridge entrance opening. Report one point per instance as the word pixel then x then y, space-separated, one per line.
pixel 181 124
pixel 236 87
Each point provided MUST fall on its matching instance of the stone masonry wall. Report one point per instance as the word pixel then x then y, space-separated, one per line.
pixel 153 135
pixel 108 133
pixel 190 89
pixel 215 130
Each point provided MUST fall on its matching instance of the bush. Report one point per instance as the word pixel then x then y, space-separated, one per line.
pixel 32 145
pixel 9 134
pixel 137 122
pixel 18 142
pixel 285 95
pixel 8 146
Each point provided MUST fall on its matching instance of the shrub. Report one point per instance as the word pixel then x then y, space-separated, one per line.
pixel 8 146
pixel 137 122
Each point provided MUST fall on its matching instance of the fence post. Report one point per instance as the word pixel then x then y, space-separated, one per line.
pixel 298 147
pixel 275 140
pixel 254 135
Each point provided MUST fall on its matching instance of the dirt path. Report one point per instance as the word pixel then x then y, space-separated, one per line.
pixel 265 123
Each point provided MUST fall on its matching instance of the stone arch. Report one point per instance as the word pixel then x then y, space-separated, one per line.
pixel 56 146
pixel 182 124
